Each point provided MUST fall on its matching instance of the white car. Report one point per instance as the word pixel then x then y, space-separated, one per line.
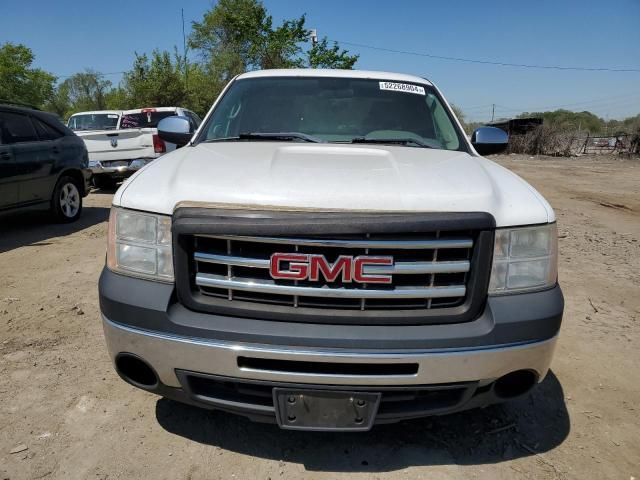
pixel 121 142
pixel 329 251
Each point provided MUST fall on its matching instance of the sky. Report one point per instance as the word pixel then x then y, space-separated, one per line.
pixel 68 36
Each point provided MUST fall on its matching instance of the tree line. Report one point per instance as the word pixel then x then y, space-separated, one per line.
pixel 587 122
pixel 233 37
pixel 567 121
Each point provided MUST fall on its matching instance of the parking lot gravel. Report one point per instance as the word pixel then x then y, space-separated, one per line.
pixel 64 413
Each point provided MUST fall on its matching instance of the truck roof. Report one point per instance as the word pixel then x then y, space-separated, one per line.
pixel 97 112
pixel 124 112
pixel 150 109
pixel 320 72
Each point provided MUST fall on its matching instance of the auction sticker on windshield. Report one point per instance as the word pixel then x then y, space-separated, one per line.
pixel 402 87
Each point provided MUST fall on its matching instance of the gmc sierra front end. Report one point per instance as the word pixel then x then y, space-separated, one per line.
pixel 328 251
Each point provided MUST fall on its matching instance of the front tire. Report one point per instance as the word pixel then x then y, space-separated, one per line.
pixel 66 204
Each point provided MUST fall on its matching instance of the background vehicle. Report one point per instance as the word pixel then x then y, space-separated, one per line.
pixel 329 251
pixel 43 164
pixel 121 142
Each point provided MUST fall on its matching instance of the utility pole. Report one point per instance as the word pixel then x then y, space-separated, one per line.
pixel 184 53
pixel 493 111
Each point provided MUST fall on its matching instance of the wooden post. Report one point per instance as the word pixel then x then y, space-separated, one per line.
pixel 586 142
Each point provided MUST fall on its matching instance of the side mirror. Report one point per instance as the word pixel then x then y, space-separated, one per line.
pixel 488 140
pixel 175 130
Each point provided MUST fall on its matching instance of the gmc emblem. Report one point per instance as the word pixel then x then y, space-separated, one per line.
pixel 299 266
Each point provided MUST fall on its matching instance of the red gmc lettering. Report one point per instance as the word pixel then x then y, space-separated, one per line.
pixel 311 267
pixel 298 266
pixel 342 266
pixel 358 269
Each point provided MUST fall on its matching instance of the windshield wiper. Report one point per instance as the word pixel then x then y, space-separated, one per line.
pixel 285 136
pixel 279 136
pixel 398 141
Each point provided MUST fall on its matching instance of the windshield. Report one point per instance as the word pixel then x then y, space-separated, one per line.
pixel 94 121
pixel 341 110
pixel 148 119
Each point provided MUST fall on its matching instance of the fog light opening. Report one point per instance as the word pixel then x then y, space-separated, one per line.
pixel 136 371
pixel 515 384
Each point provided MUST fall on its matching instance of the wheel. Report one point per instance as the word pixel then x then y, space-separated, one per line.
pixel 66 204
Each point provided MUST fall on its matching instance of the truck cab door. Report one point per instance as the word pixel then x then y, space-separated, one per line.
pixel 8 181
pixel 51 140
pixel 32 158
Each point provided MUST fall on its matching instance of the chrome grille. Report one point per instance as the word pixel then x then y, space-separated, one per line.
pixel 430 270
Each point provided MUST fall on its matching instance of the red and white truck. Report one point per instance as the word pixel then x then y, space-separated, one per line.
pixel 121 142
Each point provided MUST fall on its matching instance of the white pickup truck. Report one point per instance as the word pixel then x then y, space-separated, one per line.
pixel 121 142
pixel 329 251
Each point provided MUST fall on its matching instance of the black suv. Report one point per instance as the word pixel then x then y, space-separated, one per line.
pixel 43 164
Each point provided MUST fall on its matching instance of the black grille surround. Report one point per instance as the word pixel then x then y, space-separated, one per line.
pixel 208 230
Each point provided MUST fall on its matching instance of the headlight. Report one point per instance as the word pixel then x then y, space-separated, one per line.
pixel 140 244
pixel 524 259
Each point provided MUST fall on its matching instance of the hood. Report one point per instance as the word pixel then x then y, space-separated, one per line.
pixel 330 177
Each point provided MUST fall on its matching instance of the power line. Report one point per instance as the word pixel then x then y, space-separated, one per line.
pixel 460 59
pixel 586 104
pixel 595 102
pixel 491 62
pixel 476 107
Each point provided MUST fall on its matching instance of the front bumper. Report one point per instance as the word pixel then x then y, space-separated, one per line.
pixel 167 354
pixel 141 318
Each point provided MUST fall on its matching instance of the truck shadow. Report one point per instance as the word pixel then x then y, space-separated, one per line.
pixel 35 228
pixel 534 424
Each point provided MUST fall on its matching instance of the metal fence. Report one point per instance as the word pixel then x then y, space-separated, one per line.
pixel 545 140
pixel 608 144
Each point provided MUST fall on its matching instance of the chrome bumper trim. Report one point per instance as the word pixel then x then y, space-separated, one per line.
pixel 166 353
pixel 133 166
pixel 265 286
pixel 122 169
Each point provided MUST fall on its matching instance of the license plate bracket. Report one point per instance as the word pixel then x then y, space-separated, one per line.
pixel 325 410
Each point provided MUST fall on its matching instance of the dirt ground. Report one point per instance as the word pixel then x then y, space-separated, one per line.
pixel 66 415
